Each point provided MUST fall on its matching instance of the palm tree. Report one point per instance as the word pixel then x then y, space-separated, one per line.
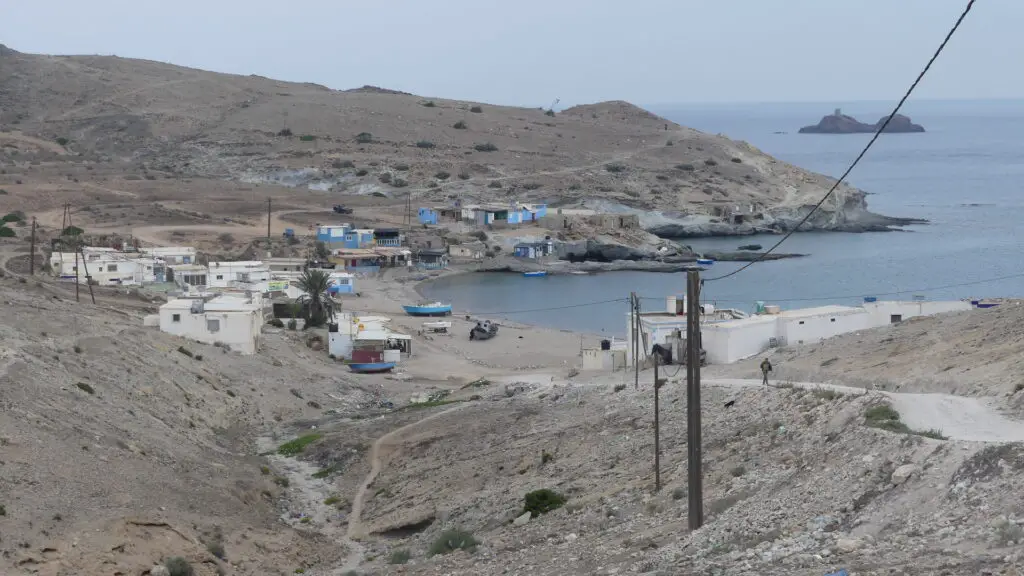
pixel 320 306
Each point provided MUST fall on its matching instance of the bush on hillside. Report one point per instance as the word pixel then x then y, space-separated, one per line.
pixel 364 138
pixel 460 125
pixel 485 147
pixel 424 144
pixel 452 540
pixel 543 501
pixel 476 109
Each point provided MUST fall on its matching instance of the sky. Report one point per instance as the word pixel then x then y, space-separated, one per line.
pixel 531 52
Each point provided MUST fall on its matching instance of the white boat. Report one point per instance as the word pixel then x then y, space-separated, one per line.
pixel 437 326
pixel 580 272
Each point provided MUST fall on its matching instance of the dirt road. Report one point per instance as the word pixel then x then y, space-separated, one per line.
pixel 957 417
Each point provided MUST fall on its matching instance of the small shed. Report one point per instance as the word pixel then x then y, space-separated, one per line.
pixel 433 258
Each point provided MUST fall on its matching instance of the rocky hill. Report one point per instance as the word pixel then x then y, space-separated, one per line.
pixel 167 121
pixel 839 123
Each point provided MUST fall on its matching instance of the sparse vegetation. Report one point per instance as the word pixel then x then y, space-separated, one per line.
pixel 424 144
pixel 185 351
pixel 494 184
pixel 216 547
pixel 679 494
pixel 476 109
pixel 826 394
pixel 549 112
pixel 735 160
pixel 226 238
pixel 276 323
pixel 85 388
pixel 614 168
pixel 452 540
pixel 385 178
pixel 531 185
pixel 485 147
pixel 546 457
pixel 543 501
pixel 885 417
pixel 460 125
pixel 362 172
pixel 285 132
pixel 364 138
pixel 429 104
pixel 178 566
pixel 13 217
pixel 295 447
pixel 3 510
pixel 6 232
pixel 1009 533
pixel 265 470
pixel 62 141
pixel 399 183
pixel 325 472
pixel 401 167
pixel 77 349
pixel 465 175
pixel 670 143
pixel 400 556
pixel 293 324
pixel 281 481
pixel 342 164
pixel 738 471
pixel 334 501
pixel 685 167
pixel 307 137
pixel 442 175
pixel 711 162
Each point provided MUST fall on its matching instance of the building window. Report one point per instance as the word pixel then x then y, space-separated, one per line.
pixel 176 318
pixel 213 325
pixel 220 276
pixel 833 320
pixel 111 267
pixel 801 322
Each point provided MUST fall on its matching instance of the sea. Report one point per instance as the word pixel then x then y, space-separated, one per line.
pixel 965 175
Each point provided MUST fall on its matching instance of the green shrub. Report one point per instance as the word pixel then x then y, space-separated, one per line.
pixel 452 540
pixel 549 112
pixel 364 138
pixel 543 501
pixel 85 388
pixel 265 470
pixel 307 137
pixel 735 160
pixel 494 184
pixel 476 109
pixel 402 167
pixel 6 232
pixel 3 510
pixel 460 125
pixel 685 167
pixel 485 147
pixel 276 323
pixel 293 324
pixel 13 217
pixel 3 192
pixel 385 178
pixel 711 162
pixel 465 175
pixel 178 566
pixel 185 351
pixel 670 143
pixel 399 183
pixel 615 168
pixel 400 556
pixel 285 132
pixel 424 144
pixel 531 185
pixel 295 447
pixel 281 481
pixel 62 141
pixel 738 471
pixel 442 175
pixel 362 172
pixel 339 164
pixel 216 547
pixel 429 104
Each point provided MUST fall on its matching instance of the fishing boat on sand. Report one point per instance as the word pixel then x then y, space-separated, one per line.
pixel 428 309
pixel 536 274
pixel 371 367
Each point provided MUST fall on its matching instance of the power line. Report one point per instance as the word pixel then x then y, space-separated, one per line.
pixel 852 296
pixel 585 304
pixel 881 129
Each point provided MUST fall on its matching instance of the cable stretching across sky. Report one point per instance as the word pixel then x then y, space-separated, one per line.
pixel 857 160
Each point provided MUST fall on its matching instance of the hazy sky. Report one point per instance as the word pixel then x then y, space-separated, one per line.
pixel 529 52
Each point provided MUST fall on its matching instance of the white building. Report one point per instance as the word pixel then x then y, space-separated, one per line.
pixel 224 274
pixel 285 264
pixel 232 320
pixel 728 335
pixel 106 267
pixel 172 254
pixel 188 275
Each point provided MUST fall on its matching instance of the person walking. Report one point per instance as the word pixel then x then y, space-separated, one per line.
pixel 766 367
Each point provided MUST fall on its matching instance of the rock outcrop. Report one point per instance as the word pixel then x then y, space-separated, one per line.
pixel 839 123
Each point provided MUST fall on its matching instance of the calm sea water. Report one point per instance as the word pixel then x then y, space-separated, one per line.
pixel 965 175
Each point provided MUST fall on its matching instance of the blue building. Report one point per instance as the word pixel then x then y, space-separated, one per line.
pixel 387 237
pixel 332 234
pixel 532 250
pixel 427 216
pixel 358 238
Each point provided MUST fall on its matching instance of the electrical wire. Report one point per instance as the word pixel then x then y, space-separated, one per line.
pixel 858 296
pixel 881 129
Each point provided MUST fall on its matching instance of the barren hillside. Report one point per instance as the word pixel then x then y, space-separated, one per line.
pixel 164 121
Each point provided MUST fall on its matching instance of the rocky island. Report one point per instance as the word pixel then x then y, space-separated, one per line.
pixel 839 123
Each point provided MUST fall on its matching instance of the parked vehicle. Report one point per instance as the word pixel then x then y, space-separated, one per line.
pixel 339 209
pixel 484 330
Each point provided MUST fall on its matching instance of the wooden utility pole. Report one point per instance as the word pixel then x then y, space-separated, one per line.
pixel 76 274
pixel 695 478
pixel 32 253
pixel 268 222
pixel 657 428
pixel 634 303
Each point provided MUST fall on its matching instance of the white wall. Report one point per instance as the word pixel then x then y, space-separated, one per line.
pixel 728 342
pixel 222 274
pixel 882 312
pixel 807 329
pixel 240 330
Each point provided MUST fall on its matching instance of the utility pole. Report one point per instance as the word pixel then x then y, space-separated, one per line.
pixel 695 478
pixel 635 307
pixel 32 254
pixel 77 299
pixel 657 427
pixel 268 223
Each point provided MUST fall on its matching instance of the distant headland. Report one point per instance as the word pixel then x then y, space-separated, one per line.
pixel 839 123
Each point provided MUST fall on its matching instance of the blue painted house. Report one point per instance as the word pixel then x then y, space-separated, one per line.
pixel 524 213
pixel 332 234
pixel 358 238
pixel 427 216
pixel 532 250
pixel 387 237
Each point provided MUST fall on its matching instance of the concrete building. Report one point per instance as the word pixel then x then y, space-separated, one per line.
pixel 468 251
pixel 285 264
pixel 364 260
pixel 388 237
pixel 427 216
pixel 226 274
pixel 172 254
pixel 231 320
pixel 533 250
pixel 188 275
pixel 107 267
pixel 332 234
pixel 432 258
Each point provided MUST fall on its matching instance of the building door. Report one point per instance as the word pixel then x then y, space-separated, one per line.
pixel 895 318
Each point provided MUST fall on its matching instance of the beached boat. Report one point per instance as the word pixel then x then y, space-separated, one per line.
pixel 428 309
pixel 371 367
pixel 437 326
pixel 705 262
pixel 484 330
pixel 580 273
pixel 536 274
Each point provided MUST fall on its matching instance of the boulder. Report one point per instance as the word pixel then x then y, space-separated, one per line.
pixel 847 545
pixel 903 473
pixel 159 571
pixel 522 519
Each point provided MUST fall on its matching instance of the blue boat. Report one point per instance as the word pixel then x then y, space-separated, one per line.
pixel 429 309
pixel 537 274
pixel 704 262
pixel 371 367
